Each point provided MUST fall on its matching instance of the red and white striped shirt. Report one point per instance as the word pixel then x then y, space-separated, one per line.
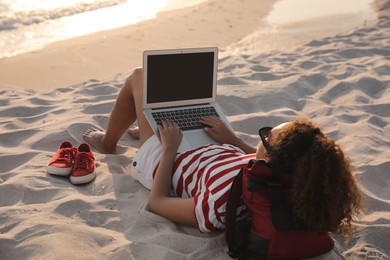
pixel 206 174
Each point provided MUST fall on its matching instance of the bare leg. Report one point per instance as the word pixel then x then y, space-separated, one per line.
pixel 127 109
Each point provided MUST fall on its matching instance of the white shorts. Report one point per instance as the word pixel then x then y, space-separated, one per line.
pixel 145 161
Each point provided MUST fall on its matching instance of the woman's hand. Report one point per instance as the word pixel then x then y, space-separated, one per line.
pixel 218 130
pixel 170 135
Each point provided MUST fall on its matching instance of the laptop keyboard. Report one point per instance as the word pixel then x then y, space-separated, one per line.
pixel 187 118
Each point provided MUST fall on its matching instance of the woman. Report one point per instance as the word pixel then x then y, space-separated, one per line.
pixel 201 178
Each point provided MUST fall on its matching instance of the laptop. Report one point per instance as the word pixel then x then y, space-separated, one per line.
pixel 181 85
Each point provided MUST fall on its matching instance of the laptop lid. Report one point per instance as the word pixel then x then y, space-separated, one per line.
pixel 179 77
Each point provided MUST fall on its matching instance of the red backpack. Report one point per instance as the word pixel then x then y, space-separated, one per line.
pixel 269 231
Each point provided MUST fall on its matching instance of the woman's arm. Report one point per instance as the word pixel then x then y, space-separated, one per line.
pixel 219 131
pixel 179 210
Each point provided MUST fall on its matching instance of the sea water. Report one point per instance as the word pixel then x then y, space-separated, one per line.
pixel 27 25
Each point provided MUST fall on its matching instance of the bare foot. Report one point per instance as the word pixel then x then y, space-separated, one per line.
pixel 94 137
pixel 134 132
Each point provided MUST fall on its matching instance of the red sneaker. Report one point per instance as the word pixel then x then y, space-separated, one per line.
pixel 84 166
pixel 62 161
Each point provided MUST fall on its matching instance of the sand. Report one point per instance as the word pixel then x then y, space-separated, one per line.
pixel 108 53
pixel 341 82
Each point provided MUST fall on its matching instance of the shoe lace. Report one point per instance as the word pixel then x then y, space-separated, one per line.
pixel 67 154
pixel 82 161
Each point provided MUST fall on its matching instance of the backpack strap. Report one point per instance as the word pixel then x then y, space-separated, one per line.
pixel 281 212
pixel 275 192
pixel 232 205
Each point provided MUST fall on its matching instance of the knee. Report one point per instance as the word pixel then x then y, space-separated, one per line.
pixel 135 78
pixel 137 75
pixel 138 72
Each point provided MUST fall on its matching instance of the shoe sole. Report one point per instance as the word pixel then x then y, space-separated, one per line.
pixel 82 179
pixel 58 171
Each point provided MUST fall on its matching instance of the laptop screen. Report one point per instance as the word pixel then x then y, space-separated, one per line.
pixel 179 77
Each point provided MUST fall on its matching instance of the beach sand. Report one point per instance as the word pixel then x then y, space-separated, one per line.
pixel 341 82
pixel 104 54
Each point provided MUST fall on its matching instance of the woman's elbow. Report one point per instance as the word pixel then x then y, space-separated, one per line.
pixel 153 204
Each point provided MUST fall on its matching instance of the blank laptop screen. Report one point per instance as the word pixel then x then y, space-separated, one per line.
pixel 175 77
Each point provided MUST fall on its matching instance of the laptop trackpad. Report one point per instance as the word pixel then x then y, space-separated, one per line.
pixel 195 139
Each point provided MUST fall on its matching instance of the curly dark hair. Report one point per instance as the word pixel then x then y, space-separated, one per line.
pixel 324 194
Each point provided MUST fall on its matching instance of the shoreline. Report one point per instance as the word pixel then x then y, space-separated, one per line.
pixel 112 53
pixel 108 53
